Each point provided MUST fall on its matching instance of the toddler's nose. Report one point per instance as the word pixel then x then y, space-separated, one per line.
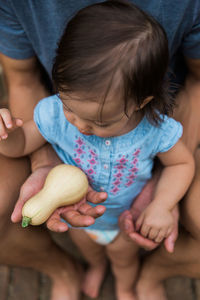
pixel 82 125
pixel 84 130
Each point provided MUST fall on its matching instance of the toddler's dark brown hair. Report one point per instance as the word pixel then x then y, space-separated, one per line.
pixel 109 38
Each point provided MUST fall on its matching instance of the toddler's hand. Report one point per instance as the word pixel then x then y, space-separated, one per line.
pixel 7 123
pixel 155 223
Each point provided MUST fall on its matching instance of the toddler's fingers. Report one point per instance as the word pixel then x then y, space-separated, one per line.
pixel 161 235
pixel 145 230
pixel 9 121
pixel 6 118
pixel 3 132
pixel 17 122
pixel 139 222
pixel 153 233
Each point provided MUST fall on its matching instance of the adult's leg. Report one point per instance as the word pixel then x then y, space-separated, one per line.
pixel 123 255
pixel 186 258
pixel 95 256
pixel 33 246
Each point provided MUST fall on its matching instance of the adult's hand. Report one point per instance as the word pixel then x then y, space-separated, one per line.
pixel 81 214
pixel 127 221
pixel 128 218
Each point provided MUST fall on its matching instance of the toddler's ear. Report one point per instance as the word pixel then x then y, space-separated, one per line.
pixel 145 102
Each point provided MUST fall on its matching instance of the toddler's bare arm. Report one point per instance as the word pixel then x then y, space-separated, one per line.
pixel 18 140
pixel 156 221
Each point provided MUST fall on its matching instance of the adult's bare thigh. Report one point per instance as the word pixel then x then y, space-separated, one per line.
pixel 13 173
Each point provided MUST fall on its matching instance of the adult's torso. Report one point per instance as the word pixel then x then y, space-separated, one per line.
pixel 43 22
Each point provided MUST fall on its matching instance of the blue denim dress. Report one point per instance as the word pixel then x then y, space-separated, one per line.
pixel 120 165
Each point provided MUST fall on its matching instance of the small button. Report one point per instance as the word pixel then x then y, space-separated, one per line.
pixel 105 166
pixel 102 189
pixel 107 142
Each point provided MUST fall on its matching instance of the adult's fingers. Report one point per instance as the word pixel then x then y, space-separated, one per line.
pixel 31 186
pixel 143 242
pixel 17 212
pixel 95 212
pixel 26 192
pixel 126 223
pixel 75 219
pixel 169 242
pixel 55 224
pixel 96 197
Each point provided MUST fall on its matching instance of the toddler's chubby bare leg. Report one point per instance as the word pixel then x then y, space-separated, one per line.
pixel 123 255
pixel 96 258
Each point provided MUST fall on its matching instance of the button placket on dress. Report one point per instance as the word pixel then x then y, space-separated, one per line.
pixel 106 163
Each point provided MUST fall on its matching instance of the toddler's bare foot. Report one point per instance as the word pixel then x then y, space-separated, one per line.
pixel 93 279
pixel 125 295
pixel 151 291
pixel 66 285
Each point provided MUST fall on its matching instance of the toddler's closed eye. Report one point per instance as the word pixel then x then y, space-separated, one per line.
pixel 101 125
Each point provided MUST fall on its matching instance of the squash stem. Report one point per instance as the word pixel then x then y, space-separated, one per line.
pixel 26 221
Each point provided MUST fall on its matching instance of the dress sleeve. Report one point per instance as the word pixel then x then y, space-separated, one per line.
pixel 169 133
pixel 13 39
pixel 46 116
pixel 191 42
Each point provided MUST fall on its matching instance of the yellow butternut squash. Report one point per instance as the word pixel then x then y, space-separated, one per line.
pixel 64 185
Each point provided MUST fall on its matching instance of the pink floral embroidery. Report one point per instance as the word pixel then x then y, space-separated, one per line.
pixel 123 161
pixel 92 161
pixel 79 151
pixel 118 175
pixel 85 158
pixel 135 161
pixel 79 141
pixel 134 169
pixel 120 167
pixel 89 172
pixel 92 152
pixel 136 152
pixel 126 172
pixel 78 161
pixel 132 176
pixel 115 190
pixel 129 183
pixel 117 182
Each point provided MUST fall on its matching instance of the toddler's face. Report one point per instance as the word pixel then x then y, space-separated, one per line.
pixel 85 115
